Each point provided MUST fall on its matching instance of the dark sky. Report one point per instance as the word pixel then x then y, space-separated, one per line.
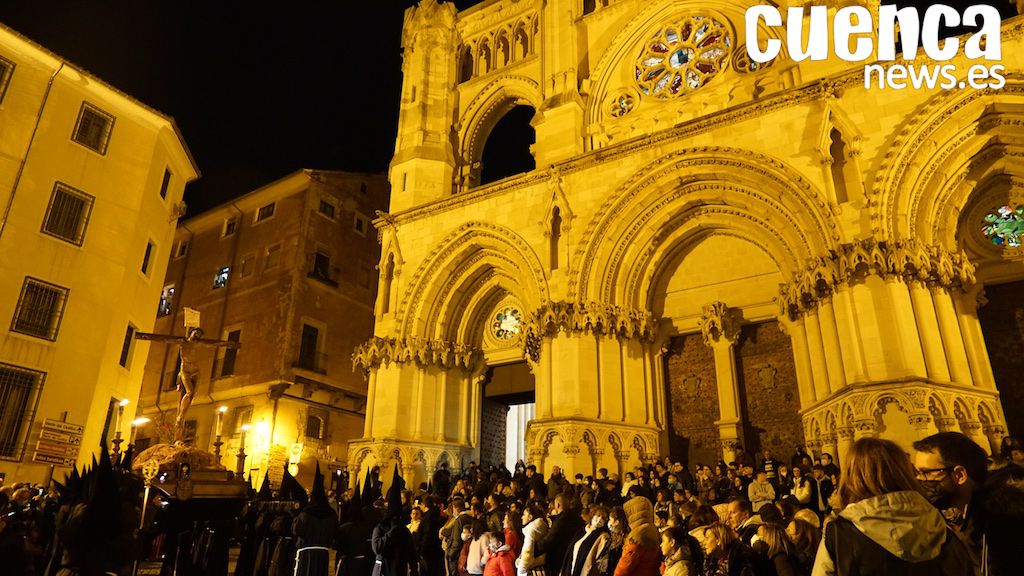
pixel 257 92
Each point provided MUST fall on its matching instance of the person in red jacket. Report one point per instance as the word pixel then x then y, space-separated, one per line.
pixel 641 556
pixel 500 561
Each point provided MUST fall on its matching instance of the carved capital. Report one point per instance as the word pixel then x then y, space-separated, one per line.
pixel 589 318
pixel 828 440
pixel 920 421
pixel 864 428
pixel 382 351
pixel 845 434
pixel 623 455
pixel 570 450
pixel 994 430
pixel 909 260
pixel 719 323
pixel 970 427
pixel 945 424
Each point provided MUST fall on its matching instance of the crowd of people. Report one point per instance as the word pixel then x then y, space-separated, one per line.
pixel 944 509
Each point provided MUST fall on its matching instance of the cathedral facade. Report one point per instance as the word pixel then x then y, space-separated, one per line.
pixel 709 252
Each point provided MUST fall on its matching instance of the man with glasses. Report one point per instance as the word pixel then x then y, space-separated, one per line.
pixel 952 469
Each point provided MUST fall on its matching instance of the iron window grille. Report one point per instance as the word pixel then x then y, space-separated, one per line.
pixel 327 209
pixel 166 183
pixel 40 309
pixel 266 212
pixel 220 279
pixel 93 128
pixel 6 71
pixel 166 301
pixel 67 216
pixel 19 396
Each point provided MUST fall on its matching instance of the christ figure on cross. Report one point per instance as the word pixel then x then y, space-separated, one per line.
pixel 188 376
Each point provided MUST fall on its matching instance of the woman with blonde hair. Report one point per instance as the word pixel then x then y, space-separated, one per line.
pixel 778 550
pixel 725 554
pixel 887 526
pixel 805 538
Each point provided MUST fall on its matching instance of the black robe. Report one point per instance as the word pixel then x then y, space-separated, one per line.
pixel 392 545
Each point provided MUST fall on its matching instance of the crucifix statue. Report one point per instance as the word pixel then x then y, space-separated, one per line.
pixel 188 376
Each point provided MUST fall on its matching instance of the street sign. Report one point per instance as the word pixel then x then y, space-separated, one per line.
pixel 58 426
pixel 57 449
pixel 73 439
pixel 55 460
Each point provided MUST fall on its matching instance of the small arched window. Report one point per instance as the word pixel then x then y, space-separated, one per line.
pixel 556 235
pixel 466 69
pixel 385 285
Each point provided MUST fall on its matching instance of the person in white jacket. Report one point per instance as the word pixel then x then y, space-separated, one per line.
pixel 760 492
pixel 535 527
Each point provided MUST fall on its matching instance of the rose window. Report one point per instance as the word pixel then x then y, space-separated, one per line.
pixel 507 323
pixel 1005 226
pixel 682 57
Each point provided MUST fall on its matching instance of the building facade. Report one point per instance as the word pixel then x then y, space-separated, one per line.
pixel 708 253
pixel 91 183
pixel 287 270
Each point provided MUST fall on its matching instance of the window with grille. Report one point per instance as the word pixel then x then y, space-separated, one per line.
pixel 360 225
pixel 40 308
pixel 127 346
pixel 265 212
pixel 166 183
pixel 19 394
pixel 273 257
pixel 68 214
pixel 166 301
pixel 182 250
pixel 146 257
pixel 245 269
pixel 327 209
pixel 220 279
pixel 230 225
pixel 227 365
pixel 314 427
pixel 93 128
pixel 6 71
pixel 243 416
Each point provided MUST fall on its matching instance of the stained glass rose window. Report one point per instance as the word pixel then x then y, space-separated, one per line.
pixel 507 323
pixel 1005 226
pixel 683 56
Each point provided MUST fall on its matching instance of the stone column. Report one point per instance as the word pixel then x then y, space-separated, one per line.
pixel 866 428
pixel 928 329
pixel 972 428
pixel 409 474
pixel 921 423
pixel 621 459
pixel 830 341
pixel 535 456
pixel 814 448
pixel 995 434
pixel 819 361
pixel 952 339
pixel 845 442
pixel 947 424
pixel 595 458
pixel 721 329
pixel 829 445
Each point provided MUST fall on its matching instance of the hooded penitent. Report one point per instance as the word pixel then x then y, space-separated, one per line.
pixel 265 494
pixel 291 489
pixel 395 497
pixel 642 531
pixel 368 497
pixel 318 503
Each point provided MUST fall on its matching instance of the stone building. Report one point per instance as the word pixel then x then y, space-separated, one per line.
pixel 707 253
pixel 91 182
pixel 288 271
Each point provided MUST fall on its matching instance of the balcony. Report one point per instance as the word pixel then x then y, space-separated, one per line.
pixel 313 362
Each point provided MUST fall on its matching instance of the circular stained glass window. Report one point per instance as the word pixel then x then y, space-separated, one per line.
pixel 683 56
pixel 1005 226
pixel 507 323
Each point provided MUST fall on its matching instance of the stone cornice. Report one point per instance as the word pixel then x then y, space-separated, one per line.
pixel 377 351
pixel 909 260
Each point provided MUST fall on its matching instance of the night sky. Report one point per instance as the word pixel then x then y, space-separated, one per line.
pixel 257 92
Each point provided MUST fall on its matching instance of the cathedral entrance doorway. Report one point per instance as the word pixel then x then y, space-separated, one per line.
pixel 507 408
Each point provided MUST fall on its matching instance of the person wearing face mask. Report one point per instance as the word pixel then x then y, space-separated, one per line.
pixel 952 468
pixel 618 528
pixel 682 553
pixel 499 558
pixel 584 551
